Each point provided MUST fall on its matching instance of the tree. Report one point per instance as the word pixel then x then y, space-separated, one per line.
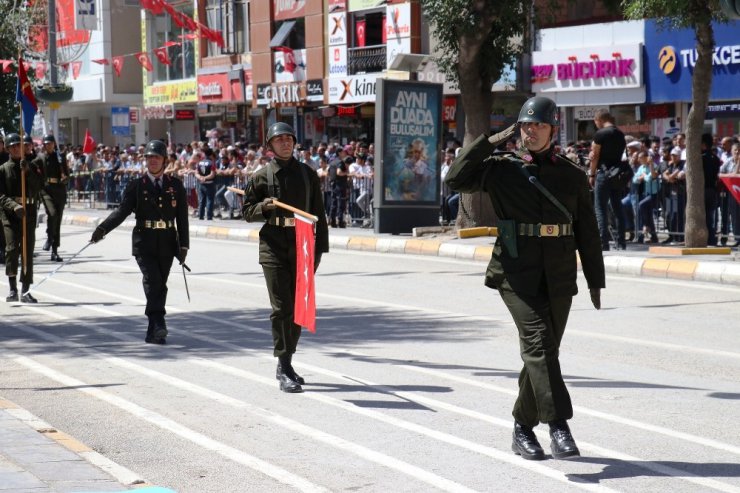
pixel 18 16
pixel 697 15
pixel 476 40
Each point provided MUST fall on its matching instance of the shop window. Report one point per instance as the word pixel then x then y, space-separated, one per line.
pixel 181 55
pixel 231 17
pixel 368 29
pixel 290 33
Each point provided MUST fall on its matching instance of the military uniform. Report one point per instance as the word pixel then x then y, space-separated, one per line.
pixel 533 265
pixel 277 238
pixel 161 232
pixel 54 196
pixel 10 199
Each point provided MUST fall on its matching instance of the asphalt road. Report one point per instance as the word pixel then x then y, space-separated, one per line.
pixel 411 377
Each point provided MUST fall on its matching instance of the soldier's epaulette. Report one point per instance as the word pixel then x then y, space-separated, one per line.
pixel 501 154
pixel 565 158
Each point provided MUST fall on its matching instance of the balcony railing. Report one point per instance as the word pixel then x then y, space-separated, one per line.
pixel 367 59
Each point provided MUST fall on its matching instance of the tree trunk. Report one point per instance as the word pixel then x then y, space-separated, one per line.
pixel 696 227
pixel 475 209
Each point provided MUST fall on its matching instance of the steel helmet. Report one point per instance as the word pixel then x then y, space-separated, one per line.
pixel 49 138
pixel 156 148
pixel 279 128
pixel 12 139
pixel 27 139
pixel 539 110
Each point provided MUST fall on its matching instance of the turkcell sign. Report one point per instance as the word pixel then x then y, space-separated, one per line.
pixel 670 58
pixel 357 89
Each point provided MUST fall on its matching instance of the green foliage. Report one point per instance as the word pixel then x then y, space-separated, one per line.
pixel 674 14
pixel 496 23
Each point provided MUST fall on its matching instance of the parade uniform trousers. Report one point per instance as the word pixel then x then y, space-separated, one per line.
pixel 13 229
pixel 156 271
pixel 279 271
pixel 540 320
pixel 54 196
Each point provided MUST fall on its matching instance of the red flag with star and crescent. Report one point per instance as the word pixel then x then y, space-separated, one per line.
pixel 144 60
pixel 732 182
pixel 304 312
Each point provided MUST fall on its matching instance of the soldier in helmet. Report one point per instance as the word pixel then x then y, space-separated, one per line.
pixel 297 184
pixel 12 211
pixel 533 265
pixel 161 234
pixel 4 156
pixel 54 193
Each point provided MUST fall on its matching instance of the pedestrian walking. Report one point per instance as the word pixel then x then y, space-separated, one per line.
pixel 13 211
pixel 54 193
pixel 161 234
pixel 545 215
pixel 296 184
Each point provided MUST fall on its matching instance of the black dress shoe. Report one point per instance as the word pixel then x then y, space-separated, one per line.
pixel 47 245
pixel 524 443
pixel 563 445
pixel 27 298
pixel 56 258
pixel 290 372
pixel 12 296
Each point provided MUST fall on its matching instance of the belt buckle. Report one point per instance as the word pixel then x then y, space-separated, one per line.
pixel 549 230
pixel 160 225
pixel 289 221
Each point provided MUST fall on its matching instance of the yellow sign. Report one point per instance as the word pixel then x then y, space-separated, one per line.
pixel 183 91
pixel 362 4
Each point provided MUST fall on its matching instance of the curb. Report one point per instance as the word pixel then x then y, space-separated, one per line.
pixel 659 267
pixel 119 473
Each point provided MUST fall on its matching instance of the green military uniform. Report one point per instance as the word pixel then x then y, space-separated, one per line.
pixel 296 184
pixel 54 195
pixel 10 199
pixel 535 275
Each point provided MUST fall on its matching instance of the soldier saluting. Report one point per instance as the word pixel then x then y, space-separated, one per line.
pixel 54 193
pixel 161 233
pixel 545 214
pixel 12 212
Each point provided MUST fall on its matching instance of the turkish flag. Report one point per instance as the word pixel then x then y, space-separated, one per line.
pixel 161 54
pixel 156 7
pixel 288 58
pixel 118 65
pixel 304 311
pixel 144 60
pixel 88 147
pixel 76 66
pixel 101 61
pixel 360 30
pixel 732 182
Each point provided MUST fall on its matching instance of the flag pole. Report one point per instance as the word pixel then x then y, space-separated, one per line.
pixel 283 205
pixel 24 226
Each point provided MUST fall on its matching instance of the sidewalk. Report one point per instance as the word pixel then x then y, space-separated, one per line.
pixel 637 260
pixel 35 457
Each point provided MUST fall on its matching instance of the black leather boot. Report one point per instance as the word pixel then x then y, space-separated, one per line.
pixel 288 382
pixel 563 445
pixel 55 256
pixel 525 443
pixel 12 296
pixel 157 331
pixel 289 370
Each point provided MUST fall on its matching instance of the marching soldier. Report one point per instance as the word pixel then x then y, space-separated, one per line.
pixel 54 193
pixel 12 211
pixel 4 156
pixel 161 233
pixel 545 214
pixel 288 180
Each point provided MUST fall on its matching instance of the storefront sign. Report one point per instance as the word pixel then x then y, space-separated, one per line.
pixel 729 109
pixel 120 120
pixel 346 110
pixel 188 114
pixel 291 94
pixel 219 88
pixel 449 109
pixel 337 61
pixel 586 113
pixel 160 112
pixel 335 5
pixel 608 67
pixel 337 25
pixel 358 89
pixel 171 92
pixel 288 9
pixel 232 114
pixel 210 89
pixel 671 57
pixel 398 21
pixel 134 115
pixel 395 46
pixel 362 4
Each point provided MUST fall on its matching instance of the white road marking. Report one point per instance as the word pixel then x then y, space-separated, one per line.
pixel 238 456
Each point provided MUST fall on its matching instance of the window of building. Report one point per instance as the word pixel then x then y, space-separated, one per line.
pixel 290 33
pixel 181 56
pixel 366 50
pixel 231 17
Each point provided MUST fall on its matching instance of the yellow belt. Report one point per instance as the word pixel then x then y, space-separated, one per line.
pixel 545 230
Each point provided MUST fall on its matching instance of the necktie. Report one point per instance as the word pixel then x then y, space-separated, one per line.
pixel 158 186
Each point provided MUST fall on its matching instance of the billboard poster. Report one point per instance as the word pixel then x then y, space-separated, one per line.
pixel 411 141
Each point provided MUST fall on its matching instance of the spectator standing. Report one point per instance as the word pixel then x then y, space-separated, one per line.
pixel 674 180
pixel 607 148
pixel 647 176
pixel 206 176
pixel 710 165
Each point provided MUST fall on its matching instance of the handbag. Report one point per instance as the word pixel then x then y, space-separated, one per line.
pixel 619 176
